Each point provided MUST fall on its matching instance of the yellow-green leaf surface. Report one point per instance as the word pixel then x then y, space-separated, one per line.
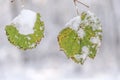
pixel 81 38
pixel 26 41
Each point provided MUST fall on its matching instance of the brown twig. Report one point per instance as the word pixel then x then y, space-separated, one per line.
pixel 76 7
pixel 12 1
pixel 75 3
pixel 83 4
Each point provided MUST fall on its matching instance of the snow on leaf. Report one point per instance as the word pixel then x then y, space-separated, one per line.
pixel 25 21
pixel 81 38
pixel 25 41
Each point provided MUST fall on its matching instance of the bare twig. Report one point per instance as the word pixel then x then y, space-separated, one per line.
pixel 83 4
pixel 76 7
pixel 75 3
pixel 12 1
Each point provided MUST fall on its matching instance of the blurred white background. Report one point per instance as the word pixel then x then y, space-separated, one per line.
pixel 46 62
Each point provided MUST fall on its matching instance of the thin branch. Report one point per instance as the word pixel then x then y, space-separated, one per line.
pixel 76 7
pixel 75 3
pixel 83 4
pixel 12 1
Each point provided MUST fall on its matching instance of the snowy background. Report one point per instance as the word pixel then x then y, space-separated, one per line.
pixel 46 62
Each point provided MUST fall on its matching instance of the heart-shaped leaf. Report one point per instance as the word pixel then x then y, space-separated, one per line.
pixel 81 38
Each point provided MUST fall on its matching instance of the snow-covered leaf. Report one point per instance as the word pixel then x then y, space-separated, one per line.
pixel 21 38
pixel 81 38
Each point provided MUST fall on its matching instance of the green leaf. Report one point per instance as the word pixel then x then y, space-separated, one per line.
pixel 69 42
pixel 78 44
pixel 26 41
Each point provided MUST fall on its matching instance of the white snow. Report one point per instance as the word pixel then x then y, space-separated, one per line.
pixel 99 33
pixel 93 21
pixel 90 13
pixel 95 40
pixel 85 52
pixel 32 45
pixel 77 57
pixel 81 33
pixel 28 38
pixel 74 23
pixel 95 26
pixel 85 49
pixel 25 21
